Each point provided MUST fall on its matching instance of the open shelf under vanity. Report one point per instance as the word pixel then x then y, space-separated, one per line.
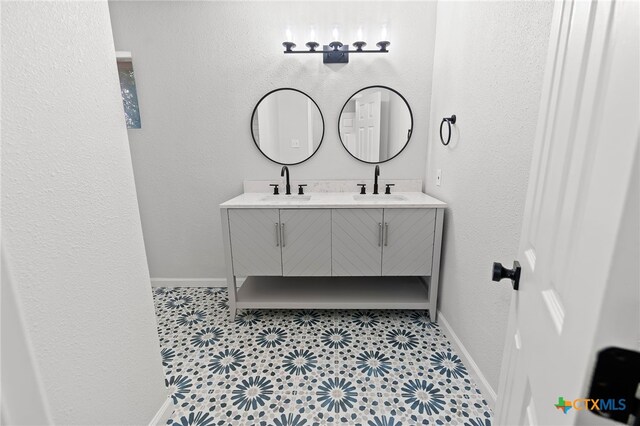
pixel 333 293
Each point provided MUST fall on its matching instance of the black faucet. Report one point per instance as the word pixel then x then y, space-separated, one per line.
pixel 375 179
pixel 288 186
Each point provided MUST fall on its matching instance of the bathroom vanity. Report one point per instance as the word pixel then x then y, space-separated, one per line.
pixel 333 250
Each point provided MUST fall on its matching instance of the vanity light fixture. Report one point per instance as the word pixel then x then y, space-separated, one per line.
pixel 336 52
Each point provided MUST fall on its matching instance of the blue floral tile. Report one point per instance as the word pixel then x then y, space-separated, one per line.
pixel 226 361
pixel 179 387
pixel 309 367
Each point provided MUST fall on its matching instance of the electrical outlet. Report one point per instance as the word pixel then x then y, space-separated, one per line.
pixel 438 177
pixel 295 143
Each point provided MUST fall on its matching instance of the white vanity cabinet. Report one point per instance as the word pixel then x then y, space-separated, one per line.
pixel 256 242
pixel 356 242
pixel 408 236
pixel 382 242
pixel 305 239
pixel 333 252
pixel 267 242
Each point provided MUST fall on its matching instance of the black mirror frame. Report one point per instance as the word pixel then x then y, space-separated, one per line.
pixel 253 136
pixel 410 115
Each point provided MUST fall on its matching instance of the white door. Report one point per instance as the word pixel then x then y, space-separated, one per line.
pixel 349 131
pixel 581 180
pixel 367 126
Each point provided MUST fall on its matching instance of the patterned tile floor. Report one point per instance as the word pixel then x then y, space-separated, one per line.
pixel 378 368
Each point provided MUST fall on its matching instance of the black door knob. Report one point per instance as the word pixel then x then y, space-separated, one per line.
pixel 500 272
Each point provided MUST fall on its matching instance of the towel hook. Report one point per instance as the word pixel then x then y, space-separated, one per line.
pixel 449 120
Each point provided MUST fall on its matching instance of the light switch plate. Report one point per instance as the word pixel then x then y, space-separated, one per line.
pixel 295 143
pixel 438 177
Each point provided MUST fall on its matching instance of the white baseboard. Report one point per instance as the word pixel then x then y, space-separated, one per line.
pixel 163 414
pixel 482 382
pixel 192 282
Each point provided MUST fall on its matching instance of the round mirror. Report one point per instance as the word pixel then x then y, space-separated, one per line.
pixel 287 126
pixel 375 124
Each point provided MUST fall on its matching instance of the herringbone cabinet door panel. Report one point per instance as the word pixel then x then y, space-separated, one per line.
pixel 408 242
pixel 306 249
pixel 355 239
pixel 255 247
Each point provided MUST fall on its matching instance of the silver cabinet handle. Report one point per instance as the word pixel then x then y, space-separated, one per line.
pixel 386 234
pixel 379 234
pixel 282 234
pixel 277 235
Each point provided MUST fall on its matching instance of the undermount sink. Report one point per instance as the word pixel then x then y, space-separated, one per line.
pixel 379 197
pixel 284 198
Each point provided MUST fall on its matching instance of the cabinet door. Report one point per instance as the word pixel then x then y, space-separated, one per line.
pixel 408 241
pixel 356 242
pixel 306 242
pixel 255 244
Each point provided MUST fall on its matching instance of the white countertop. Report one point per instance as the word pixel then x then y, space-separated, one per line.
pixel 333 200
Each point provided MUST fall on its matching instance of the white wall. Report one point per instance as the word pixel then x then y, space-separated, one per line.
pixel 23 401
pixel 70 222
pixel 488 69
pixel 200 69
